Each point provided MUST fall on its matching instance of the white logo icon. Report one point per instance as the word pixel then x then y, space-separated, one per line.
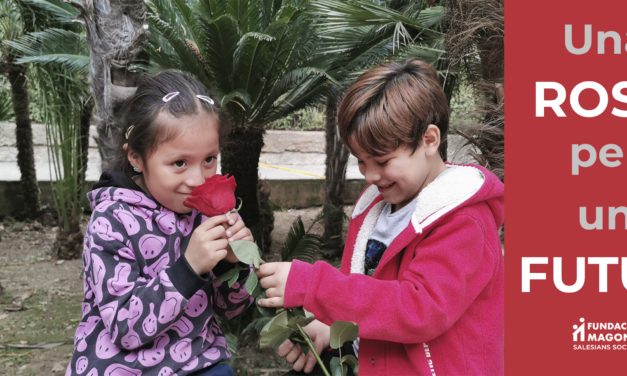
pixel 579 330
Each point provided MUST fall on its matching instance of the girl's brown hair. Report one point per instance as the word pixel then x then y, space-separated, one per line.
pixel 143 107
pixel 391 106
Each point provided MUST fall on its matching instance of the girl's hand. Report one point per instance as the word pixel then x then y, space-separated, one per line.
pixel 207 245
pixel 237 231
pixel 320 335
pixel 273 277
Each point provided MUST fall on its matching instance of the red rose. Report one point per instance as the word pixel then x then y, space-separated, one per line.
pixel 215 196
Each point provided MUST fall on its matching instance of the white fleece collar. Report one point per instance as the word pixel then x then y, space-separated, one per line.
pixel 438 198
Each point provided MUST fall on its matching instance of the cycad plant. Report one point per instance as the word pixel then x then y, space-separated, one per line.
pixel 56 57
pixel 255 55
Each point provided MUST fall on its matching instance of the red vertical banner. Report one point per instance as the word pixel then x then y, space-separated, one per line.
pixel 566 142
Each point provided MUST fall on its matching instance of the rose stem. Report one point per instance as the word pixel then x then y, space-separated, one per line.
pixel 312 348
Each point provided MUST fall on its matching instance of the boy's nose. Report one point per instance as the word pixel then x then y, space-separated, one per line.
pixel 372 176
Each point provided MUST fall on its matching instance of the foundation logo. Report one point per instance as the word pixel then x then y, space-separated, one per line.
pixel 613 334
pixel 580 331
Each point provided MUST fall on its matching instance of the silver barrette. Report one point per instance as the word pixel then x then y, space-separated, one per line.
pixel 128 131
pixel 169 96
pixel 205 98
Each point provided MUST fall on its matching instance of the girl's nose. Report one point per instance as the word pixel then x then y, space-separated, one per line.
pixel 195 177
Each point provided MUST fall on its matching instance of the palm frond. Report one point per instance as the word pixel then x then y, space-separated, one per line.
pixel 63 12
pixel 188 61
pixel 299 244
pixel 241 94
pixel 340 16
pixel 64 47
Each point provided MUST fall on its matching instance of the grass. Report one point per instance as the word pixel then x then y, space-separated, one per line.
pixel 50 318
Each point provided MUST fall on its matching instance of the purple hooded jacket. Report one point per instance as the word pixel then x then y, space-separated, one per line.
pixel 146 312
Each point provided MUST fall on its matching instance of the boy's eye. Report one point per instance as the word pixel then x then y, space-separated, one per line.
pixel 360 162
pixel 179 164
pixel 210 159
pixel 382 163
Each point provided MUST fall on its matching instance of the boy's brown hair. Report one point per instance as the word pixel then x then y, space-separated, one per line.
pixel 391 106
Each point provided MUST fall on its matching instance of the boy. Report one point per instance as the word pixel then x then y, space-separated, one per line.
pixel 422 272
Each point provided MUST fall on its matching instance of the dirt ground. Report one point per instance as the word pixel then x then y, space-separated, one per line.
pixel 41 303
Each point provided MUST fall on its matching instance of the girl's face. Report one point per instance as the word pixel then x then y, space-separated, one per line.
pixel 181 164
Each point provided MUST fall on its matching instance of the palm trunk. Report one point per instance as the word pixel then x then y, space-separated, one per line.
pixel 335 182
pixel 24 138
pixel 87 112
pixel 240 158
pixel 115 35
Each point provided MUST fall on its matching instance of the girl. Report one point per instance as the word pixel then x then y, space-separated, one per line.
pixel 149 307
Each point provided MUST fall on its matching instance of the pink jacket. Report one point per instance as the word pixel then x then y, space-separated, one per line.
pixel 435 304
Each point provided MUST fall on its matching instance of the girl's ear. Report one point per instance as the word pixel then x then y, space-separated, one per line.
pixel 134 158
pixel 431 140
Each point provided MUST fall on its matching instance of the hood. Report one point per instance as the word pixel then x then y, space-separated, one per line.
pixel 117 187
pixel 463 186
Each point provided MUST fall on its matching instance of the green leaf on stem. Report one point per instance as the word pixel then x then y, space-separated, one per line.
pixel 233 279
pixel 352 363
pixel 265 311
pixel 293 321
pixel 228 275
pixel 337 368
pixel 275 331
pixel 343 331
pixel 304 347
pixel 251 283
pixel 247 252
pixel 257 291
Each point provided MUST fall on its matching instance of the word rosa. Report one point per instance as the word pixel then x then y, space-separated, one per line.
pixel 556 104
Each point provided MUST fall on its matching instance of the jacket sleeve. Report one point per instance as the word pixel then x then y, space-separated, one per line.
pixel 134 309
pixel 231 301
pixel 451 267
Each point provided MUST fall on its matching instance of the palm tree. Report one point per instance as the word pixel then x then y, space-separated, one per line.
pixel 56 57
pixel 13 22
pixel 359 35
pixel 476 41
pixel 256 56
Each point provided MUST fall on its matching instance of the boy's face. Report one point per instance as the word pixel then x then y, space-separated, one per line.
pixel 401 174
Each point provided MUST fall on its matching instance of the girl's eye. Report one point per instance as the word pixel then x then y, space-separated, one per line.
pixel 210 159
pixel 179 164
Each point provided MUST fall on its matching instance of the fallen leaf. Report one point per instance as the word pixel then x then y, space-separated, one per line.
pixel 14 307
pixel 58 367
pixel 27 295
pixel 4 316
pixel 23 342
pixel 60 262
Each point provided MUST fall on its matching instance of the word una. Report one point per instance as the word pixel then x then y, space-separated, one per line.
pixel 603 262
pixel 601 38
pixel 598 221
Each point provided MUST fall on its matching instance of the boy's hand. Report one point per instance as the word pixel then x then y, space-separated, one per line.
pixel 236 231
pixel 320 335
pixel 207 245
pixel 273 278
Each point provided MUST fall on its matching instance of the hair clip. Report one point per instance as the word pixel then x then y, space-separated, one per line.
pixel 205 98
pixel 169 96
pixel 128 131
